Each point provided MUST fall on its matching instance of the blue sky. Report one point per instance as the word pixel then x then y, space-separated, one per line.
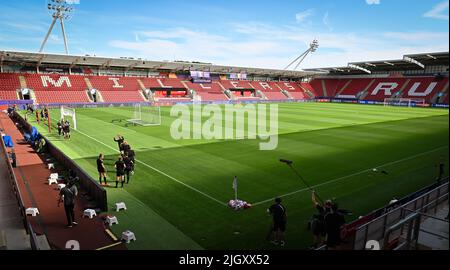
pixel 255 33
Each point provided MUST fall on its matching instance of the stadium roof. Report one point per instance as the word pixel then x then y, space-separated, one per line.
pixel 408 62
pixel 72 61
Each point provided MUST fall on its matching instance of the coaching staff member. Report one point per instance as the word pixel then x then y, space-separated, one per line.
pixel 68 195
pixel 278 212
pixel 101 169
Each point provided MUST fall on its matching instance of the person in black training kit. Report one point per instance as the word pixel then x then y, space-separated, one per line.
pixel 68 195
pixel 333 223
pixel 278 212
pixel 119 139
pixel 132 156
pixel 60 127
pixel 128 166
pixel 317 223
pixel 126 148
pixel 101 170
pixel 46 113
pixel 66 129
pixel 120 171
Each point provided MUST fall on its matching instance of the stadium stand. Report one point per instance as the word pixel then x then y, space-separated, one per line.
pixel 377 89
pixel 118 89
pixel 207 92
pixel 270 90
pixel 9 83
pixel 307 88
pixel 70 88
pixel 166 89
pixel 236 85
pixel 387 81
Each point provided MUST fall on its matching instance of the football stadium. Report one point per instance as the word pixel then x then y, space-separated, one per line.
pixel 129 153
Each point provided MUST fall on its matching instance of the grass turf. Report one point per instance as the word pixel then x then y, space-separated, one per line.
pixel 176 197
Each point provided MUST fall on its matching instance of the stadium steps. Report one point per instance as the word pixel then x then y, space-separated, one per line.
pixel 90 97
pixel 444 94
pixel 88 83
pixel 90 87
pixel 311 95
pixel 141 84
pixel 144 97
pixel 287 94
pixel 23 82
pixel 221 86
pixel 261 95
pixel 365 92
pixel 184 84
pixel 100 96
pixel 403 88
pixel 324 88
pixel 142 91
pixel 343 88
pixel 228 94
pixel 277 86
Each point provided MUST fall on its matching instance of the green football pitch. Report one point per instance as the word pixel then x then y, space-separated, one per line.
pixel 178 195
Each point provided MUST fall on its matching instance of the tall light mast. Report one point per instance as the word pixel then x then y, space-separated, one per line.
pixel 312 48
pixel 60 10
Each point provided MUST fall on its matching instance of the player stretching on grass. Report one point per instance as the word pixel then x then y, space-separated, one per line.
pixel 101 169
pixel 120 171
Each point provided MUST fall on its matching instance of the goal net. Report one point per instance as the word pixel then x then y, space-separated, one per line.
pixel 144 115
pixel 406 102
pixel 69 112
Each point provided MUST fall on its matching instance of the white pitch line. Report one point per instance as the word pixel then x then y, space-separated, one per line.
pixel 158 171
pixel 350 175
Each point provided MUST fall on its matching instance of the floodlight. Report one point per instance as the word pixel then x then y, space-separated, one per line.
pixel 59 10
pixel 313 46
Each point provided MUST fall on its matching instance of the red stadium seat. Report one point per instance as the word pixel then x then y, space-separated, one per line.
pixel 9 83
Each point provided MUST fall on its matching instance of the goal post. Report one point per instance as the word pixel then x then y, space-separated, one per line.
pixel 65 111
pixel 406 102
pixel 145 115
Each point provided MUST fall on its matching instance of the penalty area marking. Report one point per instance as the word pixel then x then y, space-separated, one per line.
pixel 350 175
pixel 158 171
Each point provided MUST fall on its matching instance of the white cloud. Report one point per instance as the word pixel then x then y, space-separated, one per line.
pixel 326 21
pixel 440 11
pixel 302 16
pixel 373 2
pixel 269 46
pixel 25 26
